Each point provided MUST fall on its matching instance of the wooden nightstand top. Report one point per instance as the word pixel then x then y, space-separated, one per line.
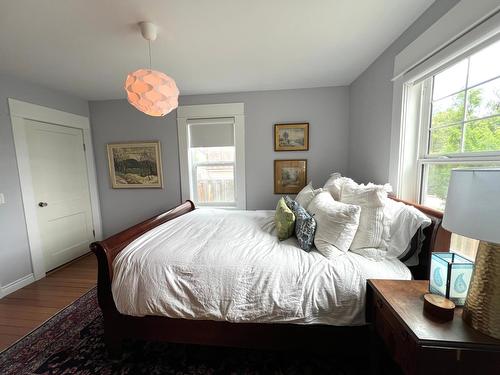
pixel 405 300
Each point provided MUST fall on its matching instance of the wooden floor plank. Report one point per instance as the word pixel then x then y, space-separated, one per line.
pixel 29 307
pixel 7 340
pixel 14 331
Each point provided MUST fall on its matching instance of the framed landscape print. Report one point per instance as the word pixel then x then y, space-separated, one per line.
pixel 290 176
pixel 135 165
pixel 291 137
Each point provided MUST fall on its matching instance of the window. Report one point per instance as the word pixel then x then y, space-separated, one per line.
pixel 212 161
pixel 459 120
pixel 212 156
pixel 463 125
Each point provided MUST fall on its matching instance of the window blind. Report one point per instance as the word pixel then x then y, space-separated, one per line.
pixel 486 32
pixel 218 132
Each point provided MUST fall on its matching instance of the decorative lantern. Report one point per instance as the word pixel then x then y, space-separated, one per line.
pixel 148 90
pixel 450 276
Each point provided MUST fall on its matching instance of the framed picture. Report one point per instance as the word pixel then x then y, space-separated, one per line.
pixel 135 165
pixel 290 176
pixel 291 137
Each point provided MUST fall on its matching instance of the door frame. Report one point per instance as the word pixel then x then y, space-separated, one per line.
pixel 20 111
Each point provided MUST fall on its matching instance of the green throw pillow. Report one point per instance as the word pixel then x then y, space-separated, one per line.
pixel 284 220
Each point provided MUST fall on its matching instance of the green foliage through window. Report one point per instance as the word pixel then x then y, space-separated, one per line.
pixel 462 123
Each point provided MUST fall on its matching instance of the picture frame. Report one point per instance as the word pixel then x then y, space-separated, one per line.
pixel 290 176
pixel 291 137
pixel 135 165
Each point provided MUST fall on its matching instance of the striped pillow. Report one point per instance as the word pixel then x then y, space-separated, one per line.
pixel 374 226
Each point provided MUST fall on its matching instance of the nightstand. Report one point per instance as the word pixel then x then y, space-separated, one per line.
pixel 418 343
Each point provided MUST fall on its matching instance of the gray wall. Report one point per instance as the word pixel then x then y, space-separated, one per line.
pixel 15 261
pixel 117 121
pixel 326 109
pixel 371 104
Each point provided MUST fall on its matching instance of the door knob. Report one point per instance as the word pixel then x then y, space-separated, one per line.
pixel 42 204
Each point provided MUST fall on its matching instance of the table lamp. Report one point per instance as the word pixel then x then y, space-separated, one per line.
pixel 473 210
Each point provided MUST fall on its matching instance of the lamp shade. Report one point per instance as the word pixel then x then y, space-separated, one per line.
pixel 152 92
pixel 473 204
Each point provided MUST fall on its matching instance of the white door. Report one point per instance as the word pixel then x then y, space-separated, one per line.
pixel 61 189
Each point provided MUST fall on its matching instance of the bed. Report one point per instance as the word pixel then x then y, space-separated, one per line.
pixel 164 280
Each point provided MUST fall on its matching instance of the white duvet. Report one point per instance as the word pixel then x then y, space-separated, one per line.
pixel 229 266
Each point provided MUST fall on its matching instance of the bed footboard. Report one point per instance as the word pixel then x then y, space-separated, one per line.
pixel 107 250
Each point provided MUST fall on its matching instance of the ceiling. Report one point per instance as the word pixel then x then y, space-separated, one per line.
pixel 86 47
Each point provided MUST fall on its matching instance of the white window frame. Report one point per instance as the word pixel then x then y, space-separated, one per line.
pixel 465 27
pixel 425 158
pixel 212 111
pixel 416 114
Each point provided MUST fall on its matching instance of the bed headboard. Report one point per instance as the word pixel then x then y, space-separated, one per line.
pixel 436 239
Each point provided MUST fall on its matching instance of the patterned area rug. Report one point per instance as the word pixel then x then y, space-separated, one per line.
pixel 72 343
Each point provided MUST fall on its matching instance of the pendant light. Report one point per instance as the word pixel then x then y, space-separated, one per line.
pixel 148 90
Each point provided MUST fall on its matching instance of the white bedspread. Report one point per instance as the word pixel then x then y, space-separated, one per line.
pixel 229 266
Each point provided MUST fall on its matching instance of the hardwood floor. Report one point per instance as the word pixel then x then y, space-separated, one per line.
pixel 27 308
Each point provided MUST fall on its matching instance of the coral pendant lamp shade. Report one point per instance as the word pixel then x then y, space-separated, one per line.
pixel 150 91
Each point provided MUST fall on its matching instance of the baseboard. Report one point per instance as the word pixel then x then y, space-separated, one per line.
pixel 15 285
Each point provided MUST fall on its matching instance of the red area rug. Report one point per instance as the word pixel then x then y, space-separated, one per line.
pixel 71 342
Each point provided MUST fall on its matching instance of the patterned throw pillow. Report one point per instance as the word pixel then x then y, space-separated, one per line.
pixel 292 204
pixel 284 220
pixel 305 225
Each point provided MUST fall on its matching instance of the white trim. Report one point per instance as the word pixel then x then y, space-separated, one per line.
pixel 44 114
pixel 207 111
pixel 211 110
pixel 15 285
pixel 458 21
pixel 19 111
pixel 399 94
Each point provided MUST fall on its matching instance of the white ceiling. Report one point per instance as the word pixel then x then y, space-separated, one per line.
pixel 86 47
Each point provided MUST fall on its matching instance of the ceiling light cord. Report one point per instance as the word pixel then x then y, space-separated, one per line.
pixel 149 44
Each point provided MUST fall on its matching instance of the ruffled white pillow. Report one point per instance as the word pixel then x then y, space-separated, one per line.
pixel 336 224
pixel 306 195
pixel 373 230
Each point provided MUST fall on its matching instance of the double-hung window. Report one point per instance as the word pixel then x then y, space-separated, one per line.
pixel 461 122
pixel 211 150
pixel 453 118
pixel 212 161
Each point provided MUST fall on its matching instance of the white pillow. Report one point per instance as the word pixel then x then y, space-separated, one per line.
pixel 373 230
pixel 334 185
pixel 336 224
pixel 404 222
pixel 306 195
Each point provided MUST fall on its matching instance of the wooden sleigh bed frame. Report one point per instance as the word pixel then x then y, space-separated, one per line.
pixel 343 339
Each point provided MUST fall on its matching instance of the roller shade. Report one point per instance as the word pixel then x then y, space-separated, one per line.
pixel 412 63
pixel 218 132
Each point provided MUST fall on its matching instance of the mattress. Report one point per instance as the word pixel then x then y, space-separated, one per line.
pixel 228 265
